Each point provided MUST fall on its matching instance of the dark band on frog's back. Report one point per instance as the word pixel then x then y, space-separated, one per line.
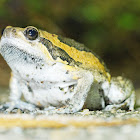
pixel 57 52
pixel 73 43
pixel 80 47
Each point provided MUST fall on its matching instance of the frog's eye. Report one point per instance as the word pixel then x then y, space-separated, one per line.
pixel 31 33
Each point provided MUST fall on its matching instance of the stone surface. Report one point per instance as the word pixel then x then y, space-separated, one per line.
pixel 99 125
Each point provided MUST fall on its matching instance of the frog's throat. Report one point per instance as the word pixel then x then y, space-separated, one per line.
pixel 13 50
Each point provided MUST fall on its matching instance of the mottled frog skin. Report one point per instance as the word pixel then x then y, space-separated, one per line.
pixel 59 75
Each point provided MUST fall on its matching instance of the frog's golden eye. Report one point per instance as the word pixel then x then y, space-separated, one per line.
pixel 31 33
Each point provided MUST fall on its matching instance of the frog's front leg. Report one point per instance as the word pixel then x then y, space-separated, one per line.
pixel 77 101
pixel 15 95
pixel 119 94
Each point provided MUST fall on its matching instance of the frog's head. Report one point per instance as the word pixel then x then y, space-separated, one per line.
pixel 30 49
pixel 23 45
pixel 32 44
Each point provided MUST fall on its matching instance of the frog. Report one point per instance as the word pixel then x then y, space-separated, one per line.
pixel 57 74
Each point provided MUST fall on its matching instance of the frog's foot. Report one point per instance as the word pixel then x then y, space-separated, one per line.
pixel 127 104
pixel 9 106
pixel 119 94
pixel 114 107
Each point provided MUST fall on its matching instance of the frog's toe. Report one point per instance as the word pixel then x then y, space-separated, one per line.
pixel 110 107
pixel 24 106
pixel 3 107
pixel 10 106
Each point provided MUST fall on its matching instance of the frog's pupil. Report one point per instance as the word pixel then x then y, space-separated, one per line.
pixel 31 34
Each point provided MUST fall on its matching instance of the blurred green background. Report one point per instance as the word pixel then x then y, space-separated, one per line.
pixel 111 28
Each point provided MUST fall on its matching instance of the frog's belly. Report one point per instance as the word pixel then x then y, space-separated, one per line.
pixel 48 97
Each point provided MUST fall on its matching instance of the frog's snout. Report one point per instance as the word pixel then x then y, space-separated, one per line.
pixel 8 31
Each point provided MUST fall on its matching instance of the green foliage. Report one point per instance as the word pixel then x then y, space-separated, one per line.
pixel 111 28
pixel 128 21
pixel 3 10
pixel 35 5
pixel 91 13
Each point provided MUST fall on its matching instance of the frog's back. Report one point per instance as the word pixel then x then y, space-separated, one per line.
pixel 80 47
pixel 72 43
pixel 79 52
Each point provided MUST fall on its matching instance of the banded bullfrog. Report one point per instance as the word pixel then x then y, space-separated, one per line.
pixel 59 75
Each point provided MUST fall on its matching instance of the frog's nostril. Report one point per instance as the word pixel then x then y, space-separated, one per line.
pixel 2 31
